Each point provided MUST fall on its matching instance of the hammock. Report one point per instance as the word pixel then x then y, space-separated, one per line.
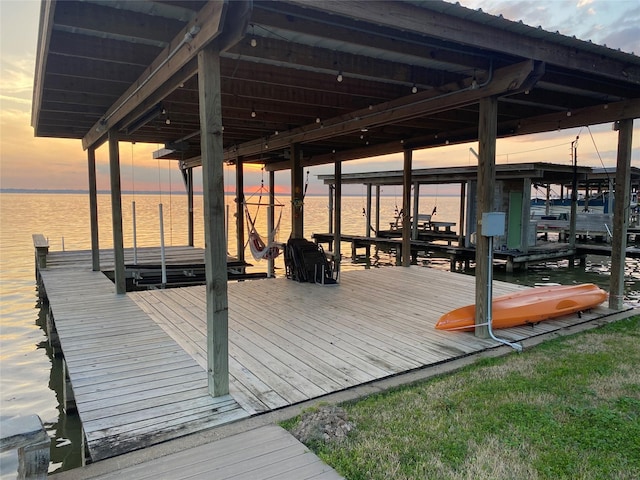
pixel 259 249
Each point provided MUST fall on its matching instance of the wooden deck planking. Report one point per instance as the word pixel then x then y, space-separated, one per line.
pixel 134 385
pixel 298 341
pixel 263 453
pixel 289 342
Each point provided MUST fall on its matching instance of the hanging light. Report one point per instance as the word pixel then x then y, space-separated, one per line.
pixel 168 121
pixel 253 112
pixel 414 89
pixel 339 78
pixel 317 119
pixel 254 41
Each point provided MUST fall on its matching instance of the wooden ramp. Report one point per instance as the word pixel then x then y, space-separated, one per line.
pixel 134 385
pixel 291 341
pixel 264 453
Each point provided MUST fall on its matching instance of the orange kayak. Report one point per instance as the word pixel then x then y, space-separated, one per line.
pixel 528 306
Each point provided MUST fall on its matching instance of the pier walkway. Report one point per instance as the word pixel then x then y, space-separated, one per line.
pixel 267 452
pixel 133 384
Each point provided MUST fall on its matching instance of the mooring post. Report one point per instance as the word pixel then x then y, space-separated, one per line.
pixel 28 436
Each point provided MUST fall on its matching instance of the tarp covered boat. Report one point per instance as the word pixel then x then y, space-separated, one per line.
pixel 528 306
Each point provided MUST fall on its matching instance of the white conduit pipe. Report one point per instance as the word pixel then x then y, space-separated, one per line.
pixel 516 346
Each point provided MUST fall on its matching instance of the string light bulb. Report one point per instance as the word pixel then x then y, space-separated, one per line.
pixel 414 89
pixel 339 78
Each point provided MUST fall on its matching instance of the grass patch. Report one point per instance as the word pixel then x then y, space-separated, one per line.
pixel 569 408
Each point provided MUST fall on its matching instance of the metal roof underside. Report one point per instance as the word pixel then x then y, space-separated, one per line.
pixel 279 76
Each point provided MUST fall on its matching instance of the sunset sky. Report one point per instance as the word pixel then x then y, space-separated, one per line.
pixel 42 163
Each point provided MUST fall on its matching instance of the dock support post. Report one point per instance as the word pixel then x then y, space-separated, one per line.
pixel 462 230
pixel 190 225
pixel 28 436
pixel 93 209
pixel 526 214
pixel 271 218
pixel 116 213
pixel 68 398
pixel 621 213
pixel 487 132
pixel 416 210
pixel 297 196
pixel 406 204
pixel 377 209
pixel 214 221
pixel 337 228
pixel 368 212
pixel 240 208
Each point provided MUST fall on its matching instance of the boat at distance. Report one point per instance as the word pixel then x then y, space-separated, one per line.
pixel 528 307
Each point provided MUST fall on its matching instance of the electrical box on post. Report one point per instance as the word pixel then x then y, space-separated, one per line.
pixel 493 224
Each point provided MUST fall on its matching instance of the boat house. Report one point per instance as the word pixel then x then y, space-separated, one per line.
pixel 292 84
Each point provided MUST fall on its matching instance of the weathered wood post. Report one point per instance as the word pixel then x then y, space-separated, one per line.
pixel 116 213
pixel 368 212
pixel 406 205
pixel 297 205
pixel 337 218
pixel 190 229
pixel 28 436
pixel 377 209
pixel 240 208
pixel 271 217
pixel 214 221
pixel 621 214
pixel 93 209
pixel 462 230
pixel 487 131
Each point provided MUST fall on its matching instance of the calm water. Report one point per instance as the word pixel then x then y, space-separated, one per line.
pixel 29 376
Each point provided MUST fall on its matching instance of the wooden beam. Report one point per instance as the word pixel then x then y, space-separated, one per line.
pixel 621 214
pixel 93 210
pixel 486 181
pixel 196 35
pixel 271 217
pixel 603 113
pixel 214 213
pixel 406 207
pixel 297 200
pixel 116 214
pixel 312 58
pixel 482 31
pixel 584 116
pixel 341 30
pixel 190 229
pixel 47 10
pixel 240 209
pixel 450 96
pixel 337 218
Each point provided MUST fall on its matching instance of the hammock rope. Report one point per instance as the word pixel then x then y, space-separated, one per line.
pixel 259 248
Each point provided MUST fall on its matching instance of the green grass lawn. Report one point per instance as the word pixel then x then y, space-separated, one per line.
pixel 569 408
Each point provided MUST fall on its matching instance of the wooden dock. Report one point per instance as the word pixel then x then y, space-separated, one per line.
pixel 133 384
pixel 137 361
pixel 267 452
